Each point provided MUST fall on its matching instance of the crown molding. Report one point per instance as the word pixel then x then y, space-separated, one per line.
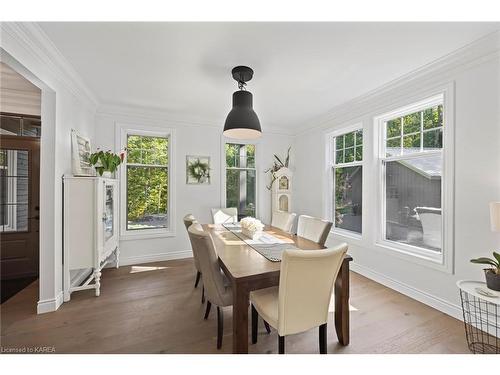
pixel 433 74
pixel 158 114
pixel 33 39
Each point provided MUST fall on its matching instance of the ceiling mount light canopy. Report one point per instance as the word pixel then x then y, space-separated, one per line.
pixel 242 122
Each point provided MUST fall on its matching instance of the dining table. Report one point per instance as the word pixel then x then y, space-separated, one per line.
pixel 248 270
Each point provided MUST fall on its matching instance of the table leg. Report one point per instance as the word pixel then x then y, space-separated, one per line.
pixel 342 304
pixel 240 318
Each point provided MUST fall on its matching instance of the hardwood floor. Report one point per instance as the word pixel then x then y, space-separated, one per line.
pixel 153 308
pixel 11 287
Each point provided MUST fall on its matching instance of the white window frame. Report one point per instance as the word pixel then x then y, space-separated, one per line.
pixel 444 260
pixel 331 149
pixel 256 143
pixel 11 192
pixel 122 131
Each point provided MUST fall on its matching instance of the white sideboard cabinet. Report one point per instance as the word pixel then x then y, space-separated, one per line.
pixel 90 233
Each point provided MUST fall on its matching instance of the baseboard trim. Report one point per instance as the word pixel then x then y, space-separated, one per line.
pixel 437 303
pixel 150 258
pixel 49 305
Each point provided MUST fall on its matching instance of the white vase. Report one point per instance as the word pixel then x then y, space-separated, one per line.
pixel 254 235
pixel 107 174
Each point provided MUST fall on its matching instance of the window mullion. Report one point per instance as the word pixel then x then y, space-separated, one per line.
pixel 401 135
pixel 421 131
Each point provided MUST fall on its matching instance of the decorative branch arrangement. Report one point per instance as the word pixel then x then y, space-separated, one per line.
pixel 277 165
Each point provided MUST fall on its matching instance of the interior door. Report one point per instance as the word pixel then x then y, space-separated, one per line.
pixel 19 206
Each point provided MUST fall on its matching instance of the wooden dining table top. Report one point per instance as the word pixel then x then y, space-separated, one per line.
pixel 241 262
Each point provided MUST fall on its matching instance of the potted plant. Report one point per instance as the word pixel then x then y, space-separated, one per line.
pixel 492 273
pixel 277 165
pixel 107 162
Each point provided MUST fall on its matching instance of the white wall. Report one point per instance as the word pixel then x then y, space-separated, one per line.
pixel 475 73
pixel 65 105
pixel 190 139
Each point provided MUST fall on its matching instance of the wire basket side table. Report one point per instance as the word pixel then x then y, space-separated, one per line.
pixel 481 317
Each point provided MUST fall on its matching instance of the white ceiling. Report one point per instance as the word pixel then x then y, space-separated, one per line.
pixel 302 70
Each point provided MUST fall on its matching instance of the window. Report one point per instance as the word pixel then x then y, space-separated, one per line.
pixel 241 177
pixel 146 182
pixel 347 180
pixel 13 124
pixel 412 174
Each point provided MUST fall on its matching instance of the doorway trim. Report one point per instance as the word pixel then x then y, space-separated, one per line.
pixel 50 298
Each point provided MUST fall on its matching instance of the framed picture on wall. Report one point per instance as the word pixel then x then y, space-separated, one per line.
pixel 197 170
pixel 80 155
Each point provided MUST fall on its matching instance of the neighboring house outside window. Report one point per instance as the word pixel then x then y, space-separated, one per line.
pixel 347 183
pixel 146 182
pixel 412 176
pixel 241 177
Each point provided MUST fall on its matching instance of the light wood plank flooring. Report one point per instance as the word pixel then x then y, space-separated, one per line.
pixel 153 308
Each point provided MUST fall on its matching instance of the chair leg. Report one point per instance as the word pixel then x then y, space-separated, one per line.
pixel 281 344
pixel 203 294
pixel 268 329
pixel 198 276
pixel 322 339
pixel 220 326
pixel 255 322
pixel 207 311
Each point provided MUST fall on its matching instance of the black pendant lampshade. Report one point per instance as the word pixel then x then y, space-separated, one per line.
pixel 242 122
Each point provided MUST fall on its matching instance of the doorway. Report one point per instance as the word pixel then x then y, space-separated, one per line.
pixel 19 212
pixel 19 183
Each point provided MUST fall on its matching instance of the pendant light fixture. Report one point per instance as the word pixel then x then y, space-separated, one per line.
pixel 242 122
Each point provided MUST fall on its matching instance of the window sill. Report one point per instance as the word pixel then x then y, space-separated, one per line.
pixel 404 253
pixel 144 235
pixel 351 236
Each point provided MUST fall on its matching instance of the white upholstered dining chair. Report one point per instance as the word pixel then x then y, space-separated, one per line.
pixel 225 215
pixel 188 220
pixel 283 220
pixel 301 300
pixel 213 280
pixel 313 228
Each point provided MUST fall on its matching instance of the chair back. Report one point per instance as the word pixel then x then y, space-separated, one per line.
pixel 283 220
pixel 204 250
pixel 306 282
pixel 188 220
pixel 225 215
pixel 313 229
